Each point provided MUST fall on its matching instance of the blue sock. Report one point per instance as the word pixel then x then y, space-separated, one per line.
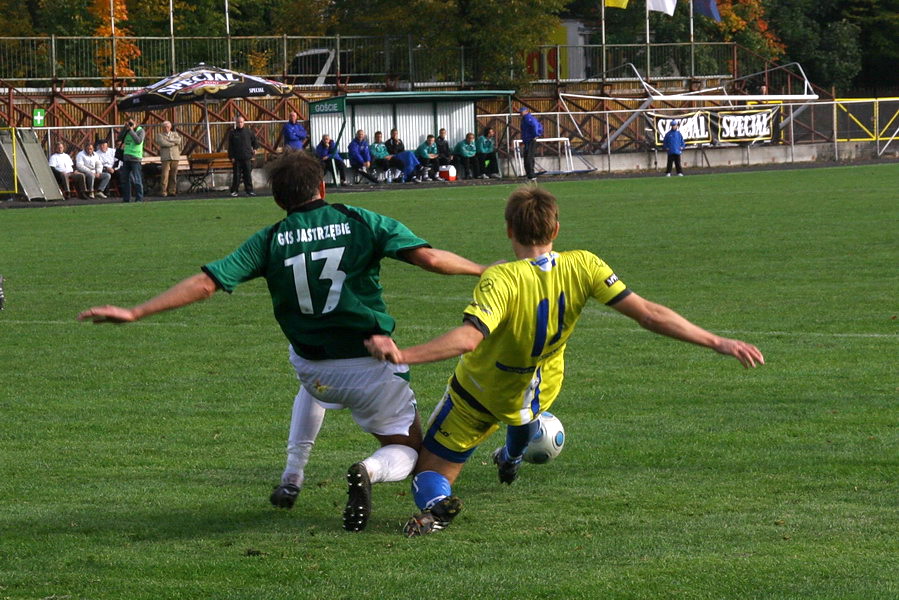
pixel 428 488
pixel 517 439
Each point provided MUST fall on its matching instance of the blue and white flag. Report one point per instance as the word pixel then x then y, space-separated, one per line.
pixel 708 8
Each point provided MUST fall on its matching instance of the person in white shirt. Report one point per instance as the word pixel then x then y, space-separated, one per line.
pixel 64 170
pixel 107 157
pixel 88 163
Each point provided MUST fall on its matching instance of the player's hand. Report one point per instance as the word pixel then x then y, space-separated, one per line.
pixel 108 314
pixel 747 354
pixel 383 347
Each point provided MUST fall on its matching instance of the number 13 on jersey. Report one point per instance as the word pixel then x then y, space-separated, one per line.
pixel 330 272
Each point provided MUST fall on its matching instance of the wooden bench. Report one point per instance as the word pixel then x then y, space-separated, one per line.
pixel 151 169
pixel 204 164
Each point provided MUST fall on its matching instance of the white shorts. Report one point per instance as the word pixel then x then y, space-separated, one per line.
pixel 378 397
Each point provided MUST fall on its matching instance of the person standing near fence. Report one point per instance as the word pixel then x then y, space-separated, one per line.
pixel 674 144
pixel 531 129
pixel 294 133
pixel 169 142
pixel 242 146
pixel 131 137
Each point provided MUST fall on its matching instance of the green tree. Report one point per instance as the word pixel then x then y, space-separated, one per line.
pixel 818 37
pixel 16 18
pixel 878 23
pixel 64 17
pixel 495 34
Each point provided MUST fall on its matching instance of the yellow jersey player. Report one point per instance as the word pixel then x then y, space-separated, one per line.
pixel 512 343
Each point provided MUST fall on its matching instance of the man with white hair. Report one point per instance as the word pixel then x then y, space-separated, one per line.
pixel 169 143
pixel 88 163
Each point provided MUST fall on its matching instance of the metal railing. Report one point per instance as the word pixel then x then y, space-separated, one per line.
pixel 654 61
pixel 329 61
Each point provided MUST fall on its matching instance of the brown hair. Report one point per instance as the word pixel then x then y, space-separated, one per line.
pixel 295 179
pixel 532 215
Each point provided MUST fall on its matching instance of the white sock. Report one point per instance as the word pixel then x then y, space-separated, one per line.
pixel 393 462
pixel 305 423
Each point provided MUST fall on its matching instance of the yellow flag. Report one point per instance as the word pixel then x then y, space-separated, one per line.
pixel 616 3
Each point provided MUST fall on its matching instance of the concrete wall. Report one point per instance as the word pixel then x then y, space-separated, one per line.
pixel 720 157
pixel 702 158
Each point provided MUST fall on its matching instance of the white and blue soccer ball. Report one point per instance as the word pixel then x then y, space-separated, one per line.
pixel 547 442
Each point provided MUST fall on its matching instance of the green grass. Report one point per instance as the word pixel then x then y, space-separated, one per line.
pixel 136 461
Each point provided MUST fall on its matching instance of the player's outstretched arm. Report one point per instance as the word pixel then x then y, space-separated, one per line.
pixel 443 262
pixel 454 342
pixel 662 320
pixel 188 291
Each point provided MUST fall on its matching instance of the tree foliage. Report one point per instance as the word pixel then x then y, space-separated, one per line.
pixel 104 11
pixel 839 42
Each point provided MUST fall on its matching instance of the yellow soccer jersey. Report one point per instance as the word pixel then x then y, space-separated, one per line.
pixel 527 309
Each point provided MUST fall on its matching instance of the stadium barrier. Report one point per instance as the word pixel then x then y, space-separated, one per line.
pixel 582 141
pixel 340 61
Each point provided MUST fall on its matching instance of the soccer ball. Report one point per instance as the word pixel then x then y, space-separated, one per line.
pixel 547 442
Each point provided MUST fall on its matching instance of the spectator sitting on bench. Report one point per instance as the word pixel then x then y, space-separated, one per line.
pixel 64 171
pixel 444 153
pixel 466 161
pixel 380 158
pixel 360 156
pixel 332 162
pixel 107 156
pixel 395 145
pixel 88 163
pixel 487 161
pixel 426 153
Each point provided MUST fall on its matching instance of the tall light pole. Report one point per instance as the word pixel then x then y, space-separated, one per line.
pixel 172 32
pixel 228 32
pixel 112 31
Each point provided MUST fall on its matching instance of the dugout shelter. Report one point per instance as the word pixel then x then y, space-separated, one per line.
pixel 414 114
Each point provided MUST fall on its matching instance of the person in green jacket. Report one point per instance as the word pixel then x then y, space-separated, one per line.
pixel 131 141
pixel 488 164
pixel 465 155
pixel 426 153
pixel 379 156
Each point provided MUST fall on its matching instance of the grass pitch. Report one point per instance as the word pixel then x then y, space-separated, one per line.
pixel 136 461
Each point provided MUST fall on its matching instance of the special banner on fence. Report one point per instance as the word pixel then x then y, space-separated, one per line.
pixel 731 126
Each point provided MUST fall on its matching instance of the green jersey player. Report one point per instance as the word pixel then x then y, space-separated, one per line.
pixel 322 263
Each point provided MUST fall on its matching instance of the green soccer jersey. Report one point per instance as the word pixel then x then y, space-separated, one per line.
pixel 322 265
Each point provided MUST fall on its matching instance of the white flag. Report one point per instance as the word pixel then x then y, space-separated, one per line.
pixel 665 6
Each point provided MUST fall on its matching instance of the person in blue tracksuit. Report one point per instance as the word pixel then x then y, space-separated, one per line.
pixel 332 162
pixel 294 133
pixel 360 156
pixel 531 129
pixel 410 166
pixel 673 143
